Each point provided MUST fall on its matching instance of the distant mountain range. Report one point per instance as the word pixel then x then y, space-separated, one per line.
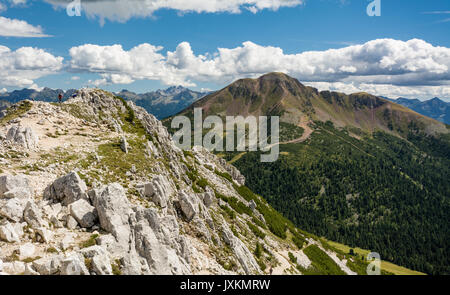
pixel 4 105
pixel 434 108
pixel 164 103
pixel 46 94
pixel 160 103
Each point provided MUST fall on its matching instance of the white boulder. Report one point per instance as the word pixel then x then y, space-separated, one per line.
pixel 159 190
pixel 48 265
pixel 83 212
pixel 9 234
pixel 67 189
pixel 26 251
pixel 15 186
pixel 33 215
pixel 187 205
pixel 23 136
pixel 73 265
pixel 12 209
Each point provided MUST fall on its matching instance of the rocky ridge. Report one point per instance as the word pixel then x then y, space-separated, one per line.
pixel 95 185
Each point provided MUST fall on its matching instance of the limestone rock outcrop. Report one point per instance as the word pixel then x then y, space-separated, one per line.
pixel 67 189
pixel 159 211
pixel 23 136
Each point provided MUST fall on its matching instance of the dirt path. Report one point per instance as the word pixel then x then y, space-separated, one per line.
pixel 304 123
pixel 306 134
pixel 237 157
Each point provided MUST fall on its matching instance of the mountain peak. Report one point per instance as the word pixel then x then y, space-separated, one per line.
pixel 276 75
pixel 436 99
pixel 279 94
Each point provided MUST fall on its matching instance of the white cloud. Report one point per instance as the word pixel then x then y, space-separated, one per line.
pixel 3 90
pixel 117 10
pixel 35 87
pixel 385 67
pixel 19 28
pixel 395 64
pixel 387 90
pixel 118 66
pixel 21 67
pixel 3 7
pixel 18 2
pixel 75 78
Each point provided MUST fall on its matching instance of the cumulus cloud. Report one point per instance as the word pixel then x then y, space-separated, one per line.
pixel 118 66
pixel 378 62
pixel 387 90
pixel 21 67
pixel 19 28
pixel 385 67
pixel 117 10
pixel 2 7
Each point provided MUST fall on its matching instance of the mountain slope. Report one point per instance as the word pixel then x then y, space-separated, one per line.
pixel 365 171
pixel 164 103
pixel 279 94
pixel 434 108
pixel 96 186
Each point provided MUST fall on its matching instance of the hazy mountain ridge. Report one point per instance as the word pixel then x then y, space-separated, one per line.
pixel 434 108
pixel 4 105
pixel 46 94
pixel 164 103
pixel 160 103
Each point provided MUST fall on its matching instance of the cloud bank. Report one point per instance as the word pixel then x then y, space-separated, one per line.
pixel 378 65
pixel 121 11
pixel 386 67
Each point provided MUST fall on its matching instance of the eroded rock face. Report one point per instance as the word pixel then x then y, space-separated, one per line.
pixel 15 186
pixel 15 267
pixel 12 209
pixel 159 190
pixel 26 251
pixel 138 238
pixel 188 205
pixel 48 265
pixel 67 189
pixel 209 197
pixel 242 253
pixel 114 211
pixel 124 144
pixel 73 265
pixel 23 136
pixel 33 215
pixel 9 233
pixel 100 261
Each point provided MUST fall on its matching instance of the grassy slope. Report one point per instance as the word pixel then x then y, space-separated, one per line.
pixel 385 265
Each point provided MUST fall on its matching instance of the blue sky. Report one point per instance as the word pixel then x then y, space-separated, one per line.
pixel 314 25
